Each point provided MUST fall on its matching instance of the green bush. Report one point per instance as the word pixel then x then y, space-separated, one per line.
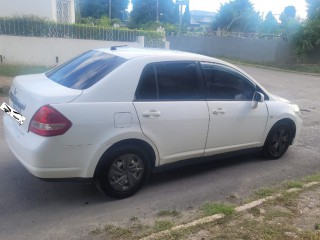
pixel 38 27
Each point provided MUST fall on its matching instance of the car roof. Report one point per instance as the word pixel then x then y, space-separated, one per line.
pixel 130 53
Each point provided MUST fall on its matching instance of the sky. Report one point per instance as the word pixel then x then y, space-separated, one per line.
pixel 262 6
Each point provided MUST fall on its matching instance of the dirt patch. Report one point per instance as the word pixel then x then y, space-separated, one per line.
pixel 309 210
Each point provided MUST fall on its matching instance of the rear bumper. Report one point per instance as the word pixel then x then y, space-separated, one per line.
pixel 45 157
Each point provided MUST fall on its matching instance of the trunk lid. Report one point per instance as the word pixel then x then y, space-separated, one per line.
pixel 29 92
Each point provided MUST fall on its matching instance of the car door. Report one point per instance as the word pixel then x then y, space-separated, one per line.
pixel 236 121
pixel 172 110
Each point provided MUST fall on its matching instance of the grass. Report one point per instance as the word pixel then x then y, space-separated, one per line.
pixel 274 219
pixel 294 184
pixel 215 208
pixel 264 192
pixel 312 178
pixel 113 232
pixel 11 70
pixel 162 225
pixel 168 213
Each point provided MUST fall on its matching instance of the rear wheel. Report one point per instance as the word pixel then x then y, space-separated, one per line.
pixel 278 141
pixel 123 171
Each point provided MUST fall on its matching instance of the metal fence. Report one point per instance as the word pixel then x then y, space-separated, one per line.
pixel 46 29
pixel 234 34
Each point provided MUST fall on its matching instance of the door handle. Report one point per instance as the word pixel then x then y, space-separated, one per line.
pixel 219 111
pixel 151 114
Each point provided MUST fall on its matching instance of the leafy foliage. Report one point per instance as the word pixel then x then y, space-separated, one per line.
pixel 289 23
pixel 270 24
pixel 144 11
pixel 307 38
pixel 238 16
pixel 37 27
pixel 313 9
pixel 98 8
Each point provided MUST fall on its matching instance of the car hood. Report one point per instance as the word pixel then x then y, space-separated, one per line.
pixel 281 99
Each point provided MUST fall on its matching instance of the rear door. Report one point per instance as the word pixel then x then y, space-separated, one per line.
pixel 172 111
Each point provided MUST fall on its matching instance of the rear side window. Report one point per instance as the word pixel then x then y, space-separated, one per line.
pixel 85 70
pixel 170 81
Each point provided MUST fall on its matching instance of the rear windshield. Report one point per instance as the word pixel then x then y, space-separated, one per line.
pixel 85 70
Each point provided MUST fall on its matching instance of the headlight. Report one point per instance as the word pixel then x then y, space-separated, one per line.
pixel 297 110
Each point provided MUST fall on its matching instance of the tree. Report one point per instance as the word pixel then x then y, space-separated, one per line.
pixel 144 11
pixel 98 8
pixel 118 8
pixel 307 39
pixel 289 23
pixel 237 15
pixel 288 14
pixel 270 24
pixel 176 14
pixel 313 9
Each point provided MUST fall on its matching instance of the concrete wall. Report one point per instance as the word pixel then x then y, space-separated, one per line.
pixel 246 49
pixel 41 8
pixel 45 51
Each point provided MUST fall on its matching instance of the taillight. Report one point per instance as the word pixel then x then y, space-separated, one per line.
pixel 49 122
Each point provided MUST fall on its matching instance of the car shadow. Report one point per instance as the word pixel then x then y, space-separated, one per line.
pixel 210 164
pixel 32 192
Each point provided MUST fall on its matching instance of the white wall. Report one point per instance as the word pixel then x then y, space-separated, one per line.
pixel 41 8
pixel 43 51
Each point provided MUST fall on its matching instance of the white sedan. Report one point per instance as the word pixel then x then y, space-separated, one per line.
pixel 114 115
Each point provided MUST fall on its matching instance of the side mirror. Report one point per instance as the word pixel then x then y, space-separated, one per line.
pixel 258 97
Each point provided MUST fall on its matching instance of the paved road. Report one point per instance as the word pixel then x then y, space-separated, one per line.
pixel 32 209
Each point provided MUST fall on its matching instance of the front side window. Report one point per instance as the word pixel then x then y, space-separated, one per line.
pixel 170 81
pixel 85 70
pixel 224 83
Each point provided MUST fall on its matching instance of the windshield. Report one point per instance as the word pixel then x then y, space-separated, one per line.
pixel 85 70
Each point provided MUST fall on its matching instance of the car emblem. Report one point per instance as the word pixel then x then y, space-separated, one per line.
pixel 15 91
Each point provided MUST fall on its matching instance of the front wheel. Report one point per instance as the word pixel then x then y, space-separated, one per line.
pixel 278 141
pixel 123 172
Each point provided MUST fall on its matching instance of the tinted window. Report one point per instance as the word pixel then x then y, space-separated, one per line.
pixel 226 84
pixel 148 86
pixel 85 70
pixel 177 81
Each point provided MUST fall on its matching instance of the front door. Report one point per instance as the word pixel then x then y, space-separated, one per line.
pixel 236 121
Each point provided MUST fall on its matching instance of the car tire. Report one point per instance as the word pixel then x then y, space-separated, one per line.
pixel 278 141
pixel 123 171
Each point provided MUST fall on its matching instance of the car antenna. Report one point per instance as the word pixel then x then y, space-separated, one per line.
pixel 113 48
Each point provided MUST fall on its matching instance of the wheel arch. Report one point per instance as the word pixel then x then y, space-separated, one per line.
pixel 129 142
pixel 291 124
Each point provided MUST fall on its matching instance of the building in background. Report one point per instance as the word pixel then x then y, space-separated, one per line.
pixel 55 10
pixel 201 19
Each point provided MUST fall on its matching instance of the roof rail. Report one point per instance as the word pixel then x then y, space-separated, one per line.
pixel 113 48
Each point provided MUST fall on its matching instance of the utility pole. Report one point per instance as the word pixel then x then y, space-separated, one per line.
pixel 181 3
pixel 109 9
pixel 157 11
